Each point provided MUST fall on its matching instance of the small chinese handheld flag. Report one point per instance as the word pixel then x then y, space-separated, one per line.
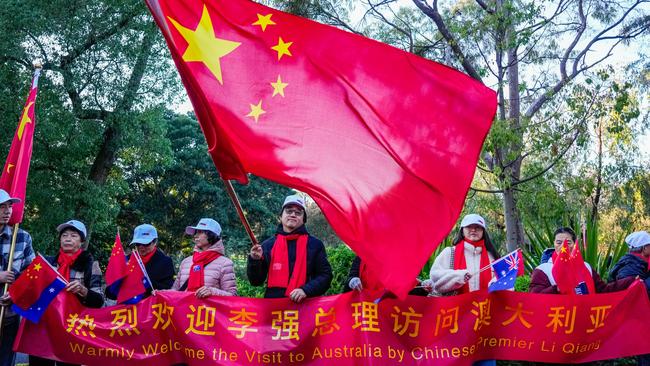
pixel 132 284
pixel 581 271
pixel 116 268
pixel 570 272
pixel 35 289
pixel 384 141
pixel 16 168
pixel 562 270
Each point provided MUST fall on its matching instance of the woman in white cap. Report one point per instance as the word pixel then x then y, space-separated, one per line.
pixel 207 272
pixel 456 270
pixel 79 268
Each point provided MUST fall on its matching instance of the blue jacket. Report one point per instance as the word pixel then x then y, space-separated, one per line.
pixel 631 266
pixel 546 255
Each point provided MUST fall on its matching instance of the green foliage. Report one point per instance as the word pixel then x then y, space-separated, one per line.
pixel 340 258
pixel 522 283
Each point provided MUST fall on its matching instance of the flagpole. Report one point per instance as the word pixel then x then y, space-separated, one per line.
pixel 9 268
pixel 496 261
pixel 144 270
pixel 242 216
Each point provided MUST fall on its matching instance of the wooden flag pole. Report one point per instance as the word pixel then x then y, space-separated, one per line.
pixel 9 268
pixel 242 216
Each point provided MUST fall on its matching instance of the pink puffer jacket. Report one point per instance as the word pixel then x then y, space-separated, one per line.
pixel 219 274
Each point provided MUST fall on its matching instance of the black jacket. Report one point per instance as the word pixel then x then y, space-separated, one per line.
pixel 631 266
pixel 160 270
pixel 87 270
pixel 319 271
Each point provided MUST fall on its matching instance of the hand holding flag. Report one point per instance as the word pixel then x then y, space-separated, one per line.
pixel 506 269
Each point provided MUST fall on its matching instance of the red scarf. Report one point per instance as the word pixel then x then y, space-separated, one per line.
pixel 199 261
pixel 279 268
pixel 640 256
pixel 148 257
pixel 65 261
pixel 460 263
pixel 368 278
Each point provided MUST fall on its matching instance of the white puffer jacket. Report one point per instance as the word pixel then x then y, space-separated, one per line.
pixel 446 279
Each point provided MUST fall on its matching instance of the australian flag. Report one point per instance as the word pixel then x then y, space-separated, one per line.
pixel 36 311
pixel 506 270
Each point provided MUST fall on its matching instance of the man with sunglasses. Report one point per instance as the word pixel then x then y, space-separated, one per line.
pixel 294 261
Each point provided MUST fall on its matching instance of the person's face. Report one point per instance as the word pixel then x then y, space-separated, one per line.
pixel 5 212
pixel 473 232
pixel 201 239
pixel 560 238
pixel 145 249
pixel 646 251
pixel 292 218
pixel 70 241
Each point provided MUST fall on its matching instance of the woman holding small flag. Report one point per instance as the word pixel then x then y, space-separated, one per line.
pixel 79 268
pixel 566 272
pixel 465 267
pixel 207 272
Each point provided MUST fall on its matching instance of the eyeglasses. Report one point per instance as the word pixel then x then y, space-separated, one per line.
pixel 293 212
pixel 473 228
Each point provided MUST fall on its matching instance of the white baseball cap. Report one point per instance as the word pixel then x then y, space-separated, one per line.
pixel 638 239
pixel 294 200
pixel 144 234
pixel 473 219
pixel 4 197
pixel 204 224
pixel 75 224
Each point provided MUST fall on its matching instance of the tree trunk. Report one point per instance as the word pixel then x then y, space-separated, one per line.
pixel 599 173
pixel 512 170
pixel 105 158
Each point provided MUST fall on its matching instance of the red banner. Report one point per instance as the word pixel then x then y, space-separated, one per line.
pixel 349 329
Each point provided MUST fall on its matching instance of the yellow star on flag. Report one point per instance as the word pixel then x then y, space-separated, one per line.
pixel 264 21
pixel 203 46
pixel 563 250
pixel 278 87
pixel 9 166
pixel 256 111
pixel 282 48
pixel 24 120
pixel 38 267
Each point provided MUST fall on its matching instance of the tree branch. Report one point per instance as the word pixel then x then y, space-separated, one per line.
pixel 433 13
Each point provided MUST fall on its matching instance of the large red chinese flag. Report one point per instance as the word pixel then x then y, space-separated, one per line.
pixel 384 141
pixel 16 168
